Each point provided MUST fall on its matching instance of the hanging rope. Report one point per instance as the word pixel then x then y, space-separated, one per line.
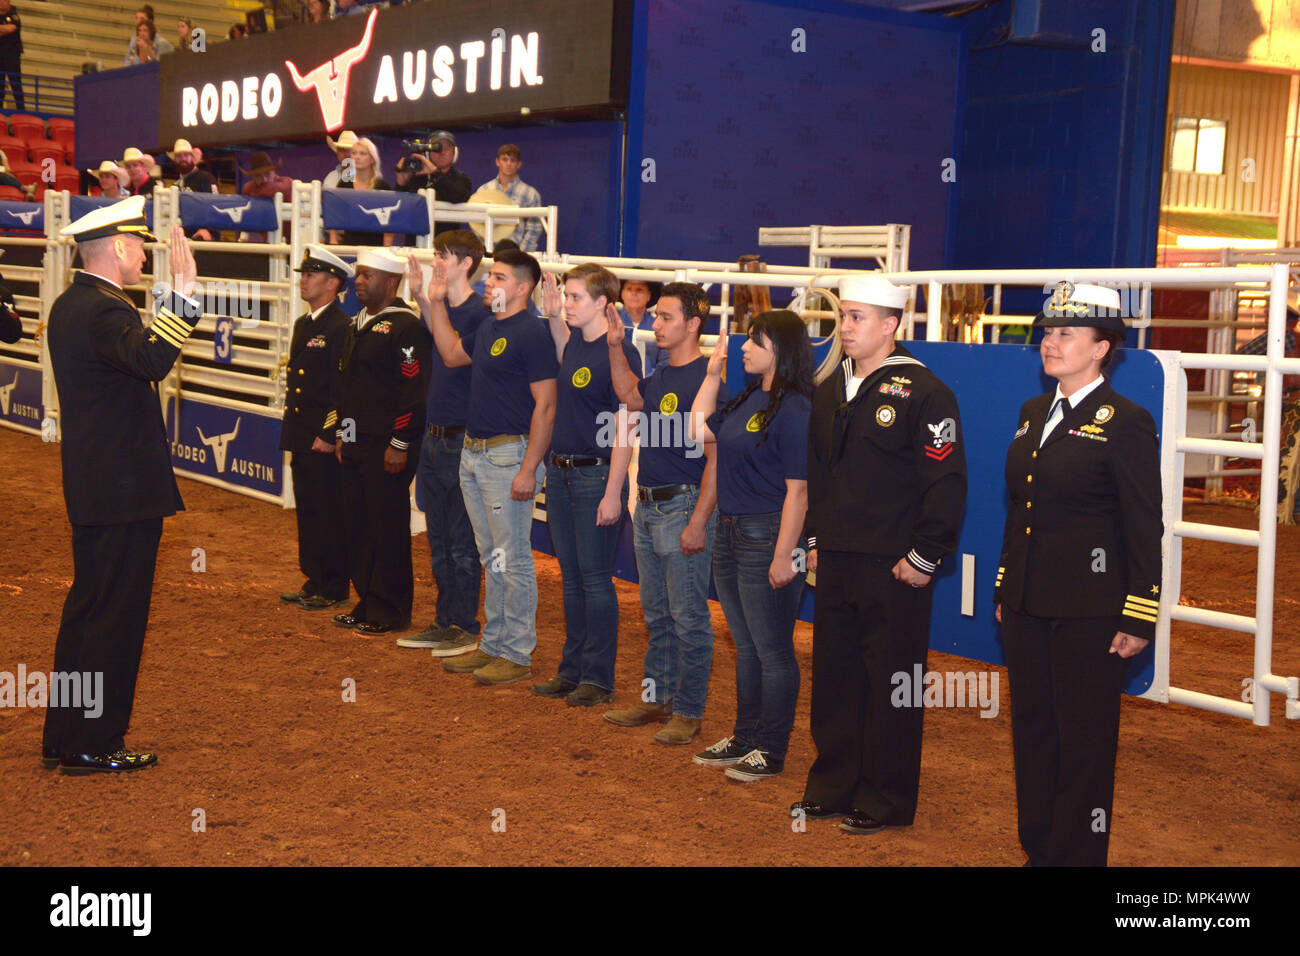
pixel 801 306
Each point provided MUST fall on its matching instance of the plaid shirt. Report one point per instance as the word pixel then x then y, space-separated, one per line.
pixel 527 233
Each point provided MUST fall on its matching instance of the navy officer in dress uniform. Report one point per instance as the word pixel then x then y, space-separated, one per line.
pixel 886 494
pixel 1078 587
pixel 322 339
pixel 381 422
pixel 117 472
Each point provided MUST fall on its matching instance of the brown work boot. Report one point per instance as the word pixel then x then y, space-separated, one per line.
pixel 501 671
pixel 680 730
pixel 465 663
pixel 640 715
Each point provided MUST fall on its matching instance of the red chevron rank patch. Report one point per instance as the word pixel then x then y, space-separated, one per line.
pixel 940 453
pixel 402 421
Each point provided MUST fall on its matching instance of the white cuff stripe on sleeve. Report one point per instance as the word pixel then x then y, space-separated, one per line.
pixel 920 563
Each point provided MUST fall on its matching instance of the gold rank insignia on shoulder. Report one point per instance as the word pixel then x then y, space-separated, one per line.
pixel 1104 414
pixel 885 415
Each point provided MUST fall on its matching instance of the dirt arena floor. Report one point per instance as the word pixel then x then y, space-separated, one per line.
pixel 242 699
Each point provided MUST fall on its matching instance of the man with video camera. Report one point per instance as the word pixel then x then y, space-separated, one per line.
pixel 430 164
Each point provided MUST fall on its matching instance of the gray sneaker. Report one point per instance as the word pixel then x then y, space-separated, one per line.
pixel 429 637
pixel 455 641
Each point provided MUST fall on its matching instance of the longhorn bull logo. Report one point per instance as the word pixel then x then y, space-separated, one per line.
pixel 330 79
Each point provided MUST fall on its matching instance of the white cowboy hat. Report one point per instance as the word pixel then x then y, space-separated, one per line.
pixel 347 139
pixel 182 146
pixel 108 166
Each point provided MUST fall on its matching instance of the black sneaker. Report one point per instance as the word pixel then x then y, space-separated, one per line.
pixel 756 765
pixel 722 754
pixel 589 695
pixel 555 687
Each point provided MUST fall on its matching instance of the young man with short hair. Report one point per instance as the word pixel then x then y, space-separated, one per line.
pixel 508 430
pixel 675 518
pixel 452 548
pixel 527 234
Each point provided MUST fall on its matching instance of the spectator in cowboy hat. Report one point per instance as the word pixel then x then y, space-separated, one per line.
pixel 265 182
pixel 191 178
pixel 343 150
pixel 112 179
pixel 138 165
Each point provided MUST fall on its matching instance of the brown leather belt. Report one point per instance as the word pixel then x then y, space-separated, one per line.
pixel 446 431
pixel 663 492
pixel 483 444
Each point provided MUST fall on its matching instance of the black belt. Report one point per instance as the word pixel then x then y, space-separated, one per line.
pixel 446 431
pixel 576 461
pixel 663 492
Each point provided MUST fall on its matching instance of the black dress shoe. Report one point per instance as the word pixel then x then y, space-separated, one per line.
pixel 49 758
pixel 294 597
pixel 371 628
pixel 319 602
pixel 859 822
pixel 124 761
pixel 812 810
pixel 346 620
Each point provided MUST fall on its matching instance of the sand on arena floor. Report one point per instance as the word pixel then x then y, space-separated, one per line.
pixel 242 697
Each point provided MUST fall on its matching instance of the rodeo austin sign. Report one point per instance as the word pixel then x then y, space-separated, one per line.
pixel 408 66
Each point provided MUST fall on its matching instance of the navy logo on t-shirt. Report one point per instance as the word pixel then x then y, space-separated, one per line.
pixel 498 346
pixel 582 377
pixel 668 404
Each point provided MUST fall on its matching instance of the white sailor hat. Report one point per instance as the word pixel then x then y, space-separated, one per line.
pixel 1083 305
pixel 383 261
pixel 318 259
pixel 873 290
pixel 121 218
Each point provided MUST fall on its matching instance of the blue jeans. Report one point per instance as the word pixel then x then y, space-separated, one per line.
pixel 502 530
pixel 762 625
pixel 453 552
pixel 675 598
pixel 586 556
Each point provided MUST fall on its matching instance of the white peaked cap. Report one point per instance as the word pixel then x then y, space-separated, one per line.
pixel 1095 295
pixel 873 290
pixel 383 261
pixel 120 218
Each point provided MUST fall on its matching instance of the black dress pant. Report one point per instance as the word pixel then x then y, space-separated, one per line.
pixel 867 626
pixel 10 66
pixel 322 554
pixel 377 509
pixel 102 631
pixel 1065 696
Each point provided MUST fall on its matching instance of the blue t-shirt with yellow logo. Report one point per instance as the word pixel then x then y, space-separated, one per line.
pixel 586 406
pixel 752 471
pixel 507 355
pixel 666 458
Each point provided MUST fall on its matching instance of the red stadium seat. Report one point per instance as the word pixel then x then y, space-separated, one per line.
pixel 72 183
pixel 26 172
pixel 45 148
pixel 67 138
pixel 12 192
pixel 15 149
pixel 27 127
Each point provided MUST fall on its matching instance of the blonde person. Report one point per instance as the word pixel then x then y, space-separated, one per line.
pixel 364 174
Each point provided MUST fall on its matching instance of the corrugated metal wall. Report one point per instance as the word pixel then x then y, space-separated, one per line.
pixel 1254 104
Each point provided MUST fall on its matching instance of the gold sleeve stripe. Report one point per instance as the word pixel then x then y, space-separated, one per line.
pixel 1141 616
pixel 173 325
pixel 1144 602
pixel 166 334
pixel 164 311
pixel 331 419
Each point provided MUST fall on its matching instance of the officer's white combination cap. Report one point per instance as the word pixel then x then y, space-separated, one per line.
pixel 1085 294
pixel 121 218
pixel 383 261
pixel 873 290
pixel 319 259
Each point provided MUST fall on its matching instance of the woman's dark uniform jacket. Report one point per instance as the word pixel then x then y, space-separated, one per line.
pixel 1083 528
pixel 116 460
pixel 313 387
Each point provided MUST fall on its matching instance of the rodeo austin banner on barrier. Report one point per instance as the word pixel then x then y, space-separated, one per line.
pixel 411 66
pixel 226 446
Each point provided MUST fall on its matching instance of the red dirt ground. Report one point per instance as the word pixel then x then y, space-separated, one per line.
pixel 242 698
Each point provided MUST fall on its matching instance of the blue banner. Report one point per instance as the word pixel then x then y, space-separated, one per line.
pixel 240 448
pixel 20 395
pixel 374 210
pixel 78 206
pixel 215 211
pixel 22 215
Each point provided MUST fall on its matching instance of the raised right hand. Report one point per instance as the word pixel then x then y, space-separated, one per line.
pixel 718 360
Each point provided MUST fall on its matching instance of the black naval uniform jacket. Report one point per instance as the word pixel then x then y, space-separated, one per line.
pixel 886 471
pixel 116 462
pixel 386 377
pixel 1084 523
pixel 314 383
